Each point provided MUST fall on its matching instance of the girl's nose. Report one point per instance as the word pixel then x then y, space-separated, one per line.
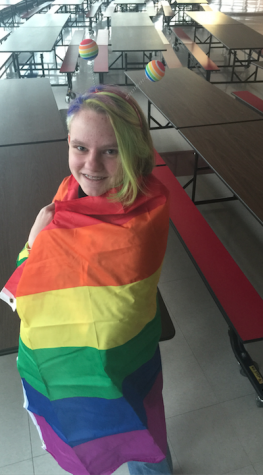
pixel 93 160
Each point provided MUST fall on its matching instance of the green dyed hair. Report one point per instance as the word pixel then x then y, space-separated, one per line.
pixel 133 137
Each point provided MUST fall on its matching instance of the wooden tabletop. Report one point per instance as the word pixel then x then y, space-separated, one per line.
pixel 131 19
pixel 28 112
pixel 211 18
pixel 136 38
pixel 49 19
pixel 9 3
pixel 129 2
pixel 29 178
pixel 188 100
pixel 234 152
pixel 67 2
pixel 31 40
pixel 254 22
pixel 189 2
pixel 235 36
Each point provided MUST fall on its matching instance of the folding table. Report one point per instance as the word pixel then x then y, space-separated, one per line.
pixel 35 39
pixel 28 113
pixel 187 100
pixel 232 35
pixel 127 39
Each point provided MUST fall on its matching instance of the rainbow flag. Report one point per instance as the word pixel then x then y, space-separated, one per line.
pixel 88 353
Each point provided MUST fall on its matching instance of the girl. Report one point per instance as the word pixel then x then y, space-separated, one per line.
pixel 87 280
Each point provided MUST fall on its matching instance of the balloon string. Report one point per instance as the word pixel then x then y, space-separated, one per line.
pixel 135 87
pixel 91 72
pixel 93 75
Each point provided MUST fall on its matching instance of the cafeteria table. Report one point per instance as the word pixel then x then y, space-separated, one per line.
pixel 235 37
pixel 67 4
pixel 131 19
pixel 188 100
pixel 229 139
pixel 183 6
pixel 29 113
pixel 254 21
pixel 234 152
pixel 124 4
pixel 128 39
pixel 29 178
pixel 33 40
pixel 212 18
pixel 74 7
pixel 6 5
pixel 47 20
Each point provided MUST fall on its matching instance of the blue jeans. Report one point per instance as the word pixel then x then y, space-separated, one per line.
pixel 165 467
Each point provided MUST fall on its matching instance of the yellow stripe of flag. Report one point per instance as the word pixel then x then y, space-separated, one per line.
pixel 98 317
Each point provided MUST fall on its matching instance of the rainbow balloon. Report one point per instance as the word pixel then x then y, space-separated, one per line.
pixel 88 49
pixel 155 70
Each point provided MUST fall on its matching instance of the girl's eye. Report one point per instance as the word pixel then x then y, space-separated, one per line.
pixel 80 149
pixel 112 151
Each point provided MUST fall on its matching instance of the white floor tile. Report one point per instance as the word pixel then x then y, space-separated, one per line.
pixel 185 385
pixel 36 443
pixel 255 350
pixel 206 333
pixel 258 468
pixel 205 443
pixel 247 420
pixel 176 467
pixel 122 470
pixel 185 295
pixel 46 465
pixel 243 471
pixel 20 468
pixel 177 264
pixel 14 434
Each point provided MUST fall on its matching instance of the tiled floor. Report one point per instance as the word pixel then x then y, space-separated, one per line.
pixel 213 423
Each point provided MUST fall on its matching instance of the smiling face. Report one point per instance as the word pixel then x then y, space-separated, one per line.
pixel 93 153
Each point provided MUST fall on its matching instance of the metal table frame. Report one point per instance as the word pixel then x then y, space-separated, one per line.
pixel 234 61
pixel 181 9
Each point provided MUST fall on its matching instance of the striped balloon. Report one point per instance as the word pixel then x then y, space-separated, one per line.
pixel 155 70
pixel 88 49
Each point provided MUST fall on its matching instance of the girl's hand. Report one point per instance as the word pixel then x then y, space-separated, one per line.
pixel 43 218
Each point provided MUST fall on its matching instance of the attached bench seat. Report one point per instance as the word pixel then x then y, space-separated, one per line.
pixel 70 62
pixel 109 12
pixel 4 34
pixel 54 9
pixel 258 64
pixel 34 10
pixel 150 10
pixel 93 13
pixel 163 37
pixel 206 7
pixel 102 37
pixel 101 62
pixel 4 58
pixel 170 58
pixel 194 51
pixel 77 37
pixel 168 13
pixel 238 301
pixel 250 100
